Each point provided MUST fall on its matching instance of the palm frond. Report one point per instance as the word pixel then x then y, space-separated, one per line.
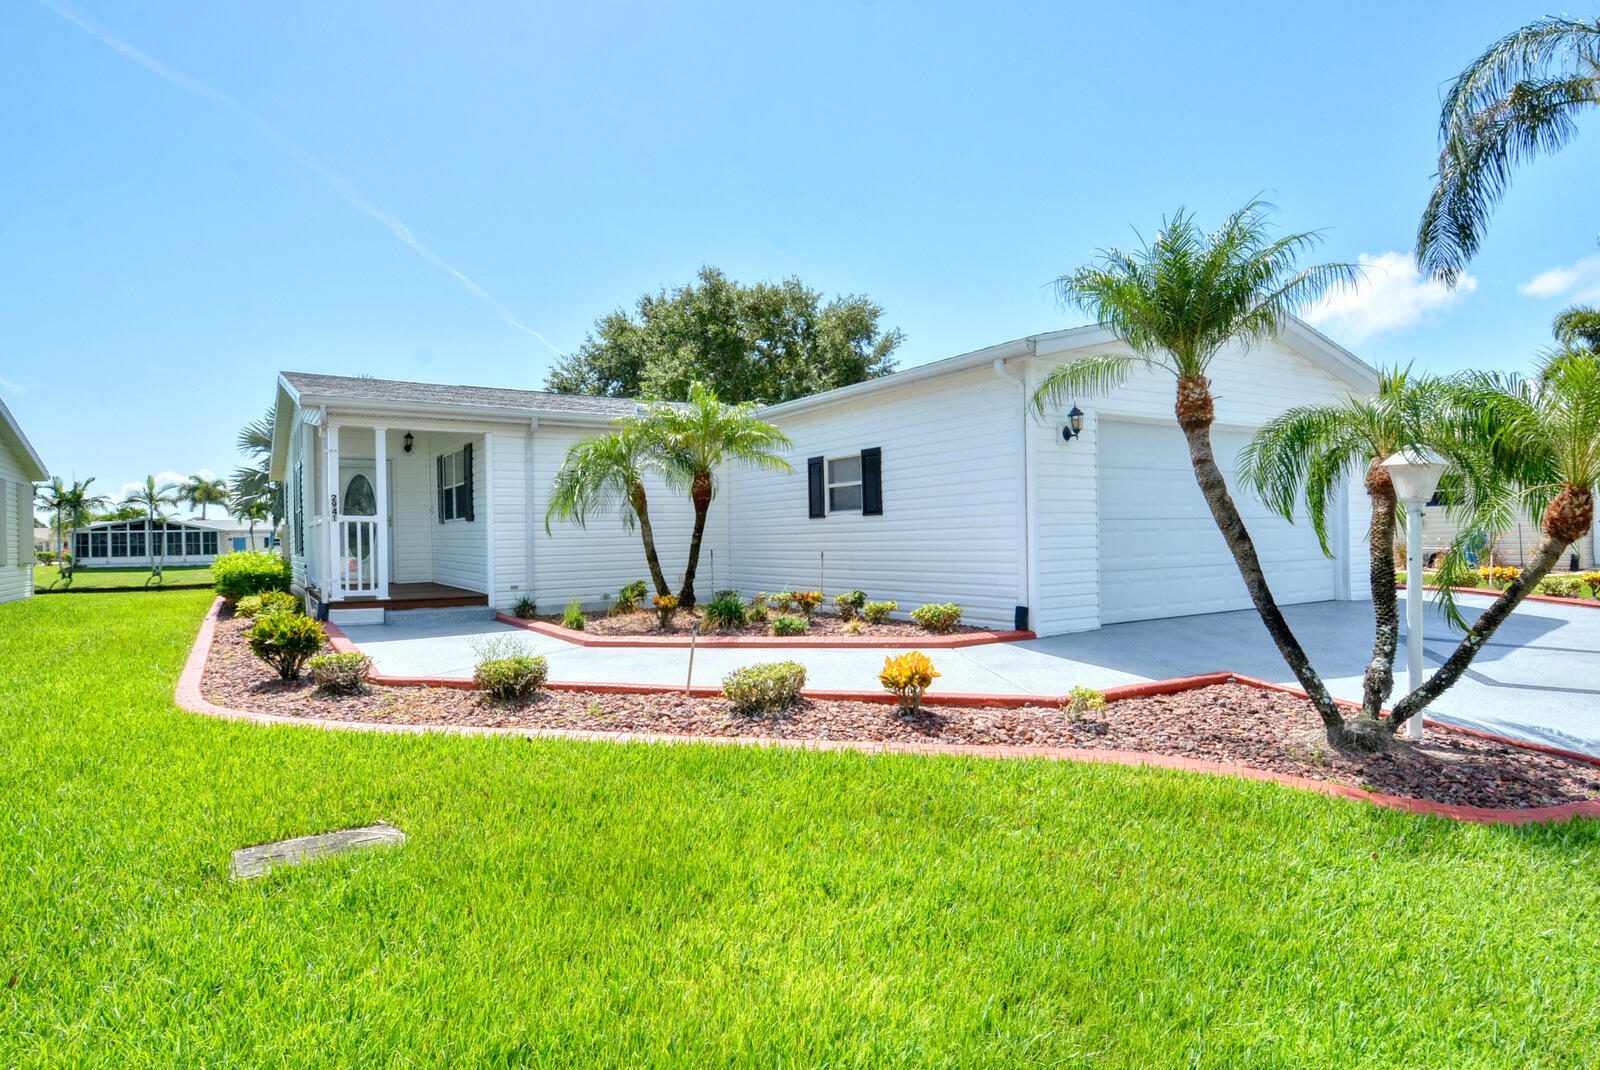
pixel 1089 377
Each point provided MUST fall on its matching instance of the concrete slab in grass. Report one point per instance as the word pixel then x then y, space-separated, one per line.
pixel 260 860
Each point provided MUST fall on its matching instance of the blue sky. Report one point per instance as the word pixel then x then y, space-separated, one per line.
pixel 198 194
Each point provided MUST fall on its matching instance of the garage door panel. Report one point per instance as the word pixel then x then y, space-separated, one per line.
pixel 1161 552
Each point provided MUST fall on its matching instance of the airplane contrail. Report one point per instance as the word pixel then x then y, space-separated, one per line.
pixel 335 181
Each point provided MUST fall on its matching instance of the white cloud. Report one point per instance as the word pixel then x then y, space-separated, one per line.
pixel 1392 296
pixel 15 388
pixel 1579 282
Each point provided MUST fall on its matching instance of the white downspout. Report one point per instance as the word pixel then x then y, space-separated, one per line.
pixel 1025 466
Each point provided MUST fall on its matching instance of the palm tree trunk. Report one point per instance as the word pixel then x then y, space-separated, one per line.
pixel 1565 522
pixel 1379 682
pixel 642 510
pixel 700 494
pixel 1196 411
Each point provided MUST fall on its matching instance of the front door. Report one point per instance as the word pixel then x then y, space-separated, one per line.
pixel 358 496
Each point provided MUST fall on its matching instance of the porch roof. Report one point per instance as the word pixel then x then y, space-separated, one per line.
pixel 312 388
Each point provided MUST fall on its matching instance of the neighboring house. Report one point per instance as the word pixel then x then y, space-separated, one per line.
pixel 44 540
pixel 20 469
pixel 188 541
pixel 938 483
pixel 1513 546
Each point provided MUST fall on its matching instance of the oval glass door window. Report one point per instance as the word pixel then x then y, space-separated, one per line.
pixel 359 500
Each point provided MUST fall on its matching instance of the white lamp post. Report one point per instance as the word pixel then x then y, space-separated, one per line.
pixel 1415 474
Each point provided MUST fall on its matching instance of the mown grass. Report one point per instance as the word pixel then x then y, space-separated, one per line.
pixel 48 577
pixel 561 904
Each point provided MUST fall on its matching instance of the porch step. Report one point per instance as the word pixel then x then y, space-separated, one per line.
pixel 439 615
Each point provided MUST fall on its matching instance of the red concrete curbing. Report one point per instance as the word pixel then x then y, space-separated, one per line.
pixel 931 642
pixel 1555 600
pixel 188 696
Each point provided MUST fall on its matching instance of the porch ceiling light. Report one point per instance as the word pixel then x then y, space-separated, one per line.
pixel 408 440
pixel 1074 426
pixel 1415 474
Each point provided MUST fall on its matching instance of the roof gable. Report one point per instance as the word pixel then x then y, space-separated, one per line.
pixel 11 436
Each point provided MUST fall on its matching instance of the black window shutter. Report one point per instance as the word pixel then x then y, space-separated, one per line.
pixel 466 458
pixel 872 481
pixel 442 492
pixel 817 493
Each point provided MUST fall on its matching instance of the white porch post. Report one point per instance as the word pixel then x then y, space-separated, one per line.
pixel 488 515
pixel 330 457
pixel 380 441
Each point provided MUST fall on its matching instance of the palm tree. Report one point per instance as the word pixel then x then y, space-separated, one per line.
pixel 1302 457
pixel 255 481
pixel 1521 97
pixel 1545 433
pixel 1577 326
pixel 53 496
pixel 699 437
pixel 202 491
pixel 1176 303
pixel 74 507
pixel 251 510
pixel 151 500
pixel 607 472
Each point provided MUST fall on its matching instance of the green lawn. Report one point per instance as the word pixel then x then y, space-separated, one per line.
pixel 48 577
pixel 562 904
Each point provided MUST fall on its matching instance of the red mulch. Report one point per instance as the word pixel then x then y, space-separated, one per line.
pixel 645 622
pixel 1229 723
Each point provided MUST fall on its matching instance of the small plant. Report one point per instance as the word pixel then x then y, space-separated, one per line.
pixel 285 641
pixel 1591 580
pixel 572 617
pixel 666 605
pixel 853 628
pixel 756 614
pixel 525 609
pixel 789 624
pixel 629 597
pixel 878 612
pixel 507 669
pixel 937 616
pixel 343 673
pixel 725 611
pixel 1082 701
pixel 762 688
pixel 783 601
pixel 807 601
pixel 908 678
pixel 249 572
pixel 260 605
pixel 759 601
pixel 248 606
pixel 849 604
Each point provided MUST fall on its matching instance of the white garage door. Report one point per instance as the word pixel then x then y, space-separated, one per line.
pixel 1160 552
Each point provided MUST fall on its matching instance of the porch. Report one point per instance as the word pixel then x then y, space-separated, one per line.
pixel 426 595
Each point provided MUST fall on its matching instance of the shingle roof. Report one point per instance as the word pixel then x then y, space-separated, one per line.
pixel 486 397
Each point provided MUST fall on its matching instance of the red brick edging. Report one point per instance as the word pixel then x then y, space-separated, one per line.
pixel 1555 600
pixel 189 697
pixel 932 642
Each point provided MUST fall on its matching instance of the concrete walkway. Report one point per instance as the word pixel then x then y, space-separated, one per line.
pixel 1539 679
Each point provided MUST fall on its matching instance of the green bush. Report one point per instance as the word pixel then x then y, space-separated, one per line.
pixel 759 601
pixel 762 688
pixel 937 616
pixel 849 604
pixel 345 673
pixel 525 609
pixel 285 641
pixel 783 601
pixel 878 612
pixel 629 597
pixel 250 572
pixel 248 606
pixel 260 605
pixel 788 624
pixel 510 679
pixel 1083 700
pixel 757 615
pixel 725 611
pixel 573 617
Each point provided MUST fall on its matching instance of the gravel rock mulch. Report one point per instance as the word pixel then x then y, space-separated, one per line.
pixel 645 622
pixel 1228 723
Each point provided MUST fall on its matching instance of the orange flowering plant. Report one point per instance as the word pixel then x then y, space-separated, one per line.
pixel 907 677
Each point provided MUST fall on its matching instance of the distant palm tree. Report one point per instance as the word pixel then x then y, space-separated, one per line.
pixel 53 496
pixel 1301 458
pixel 701 436
pixel 152 500
pixel 1176 303
pixel 251 510
pixel 1578 327
pixel 74 507
pixel 201 491
pixel 608 472
pixel 255 481
pixel 1520 98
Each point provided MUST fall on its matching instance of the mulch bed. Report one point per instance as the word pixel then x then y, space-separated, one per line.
pixel 645 622
pixel 1229 723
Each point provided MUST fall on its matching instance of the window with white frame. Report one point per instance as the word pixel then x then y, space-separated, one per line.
pixel 844 484
pixel 455 484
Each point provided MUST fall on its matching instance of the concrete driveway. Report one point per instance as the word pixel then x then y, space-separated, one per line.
pixel 1539 679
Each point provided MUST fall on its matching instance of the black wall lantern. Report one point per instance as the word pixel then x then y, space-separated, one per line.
pixel 408 440
pixel 1074 425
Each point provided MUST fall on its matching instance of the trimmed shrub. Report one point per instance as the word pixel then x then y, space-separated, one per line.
pixel 757 615
pixel 248 606
pixel 1083 700
pixel 789 624
pixel 762 688
pixel 807 601
pixel 259 605
pixel 525 609
pixel 345 673
pixel 285 641
pixel 725 611
pixel 937 616
pixel 849 604
pixel 249 572
pixel 573 617
pixel 908 678
pixel 629 597
pixel 510 679
pixel 878 612
pixel 666 605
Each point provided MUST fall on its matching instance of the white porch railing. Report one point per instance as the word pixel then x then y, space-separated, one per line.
pixel 355 570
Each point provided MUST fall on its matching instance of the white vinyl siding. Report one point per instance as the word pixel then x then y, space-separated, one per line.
pixel 16 570
pixel 460 548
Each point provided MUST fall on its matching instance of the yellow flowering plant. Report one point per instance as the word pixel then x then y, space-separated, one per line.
pixel 908 677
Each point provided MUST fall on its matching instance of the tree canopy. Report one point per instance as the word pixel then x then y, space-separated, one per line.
pixel 764 343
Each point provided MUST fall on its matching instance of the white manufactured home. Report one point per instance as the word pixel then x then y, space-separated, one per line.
pixel 170 542
pixel 936 484
pixel 20 469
